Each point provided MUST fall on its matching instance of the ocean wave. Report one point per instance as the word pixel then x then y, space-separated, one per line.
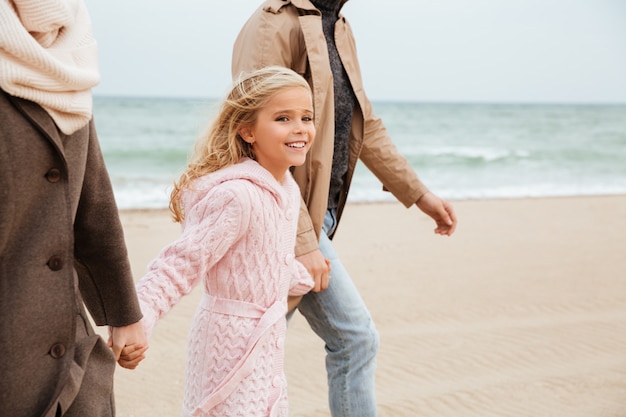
pixel 460 151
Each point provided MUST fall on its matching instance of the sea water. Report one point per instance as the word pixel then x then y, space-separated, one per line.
pixel 460 151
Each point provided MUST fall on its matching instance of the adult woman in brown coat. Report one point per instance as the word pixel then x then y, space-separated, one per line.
pixel 61 241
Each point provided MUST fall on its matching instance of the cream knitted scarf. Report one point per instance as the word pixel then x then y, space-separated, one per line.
pixel 49 56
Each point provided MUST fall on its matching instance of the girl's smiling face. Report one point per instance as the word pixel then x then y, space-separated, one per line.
pixel 283 131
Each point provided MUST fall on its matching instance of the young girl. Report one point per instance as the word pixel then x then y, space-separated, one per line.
pixel 238 205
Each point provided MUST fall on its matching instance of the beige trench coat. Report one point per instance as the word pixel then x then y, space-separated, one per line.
pixel 61 242
pixel 289 33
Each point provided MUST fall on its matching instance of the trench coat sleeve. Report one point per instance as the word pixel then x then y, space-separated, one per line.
pixel 381 157
pixel 377 151
pixel 265 41
pixel 101 257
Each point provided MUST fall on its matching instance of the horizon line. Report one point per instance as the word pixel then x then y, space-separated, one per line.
pixel 389 101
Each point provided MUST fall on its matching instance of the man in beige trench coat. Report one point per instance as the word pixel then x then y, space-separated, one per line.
pixel 313 38
pixel 61 241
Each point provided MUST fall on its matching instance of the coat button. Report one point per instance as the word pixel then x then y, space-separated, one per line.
pixel 53 175
pixel 277 382
pixel 57 351
pixel 289 258
pixel 55 263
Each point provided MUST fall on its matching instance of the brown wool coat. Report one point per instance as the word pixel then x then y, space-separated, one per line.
pixel 61 243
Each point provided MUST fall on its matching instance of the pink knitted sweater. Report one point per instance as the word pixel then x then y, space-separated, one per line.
pixel 238 240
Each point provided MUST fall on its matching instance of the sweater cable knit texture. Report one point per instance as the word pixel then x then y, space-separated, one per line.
pixel 238 241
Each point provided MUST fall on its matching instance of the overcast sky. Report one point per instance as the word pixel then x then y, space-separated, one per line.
pixel 410 50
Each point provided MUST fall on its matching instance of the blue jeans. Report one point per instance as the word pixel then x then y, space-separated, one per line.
pixel 339 316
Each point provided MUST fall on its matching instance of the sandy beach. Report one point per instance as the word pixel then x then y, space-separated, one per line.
pixel 521 313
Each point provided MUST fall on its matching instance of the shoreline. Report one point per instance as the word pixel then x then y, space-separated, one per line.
pixel 454 201
pixel 521 312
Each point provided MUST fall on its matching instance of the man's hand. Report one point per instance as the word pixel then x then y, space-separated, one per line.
pixel 440 211
pixel 318 267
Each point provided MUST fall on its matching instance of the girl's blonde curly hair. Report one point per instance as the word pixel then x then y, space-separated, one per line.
pixel 221 145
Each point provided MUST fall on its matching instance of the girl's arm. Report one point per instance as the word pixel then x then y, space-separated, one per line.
pixel 211 226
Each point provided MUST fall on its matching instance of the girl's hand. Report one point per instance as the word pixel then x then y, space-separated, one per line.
pixel 131 355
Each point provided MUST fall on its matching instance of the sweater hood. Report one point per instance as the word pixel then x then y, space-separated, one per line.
pixel 248 170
